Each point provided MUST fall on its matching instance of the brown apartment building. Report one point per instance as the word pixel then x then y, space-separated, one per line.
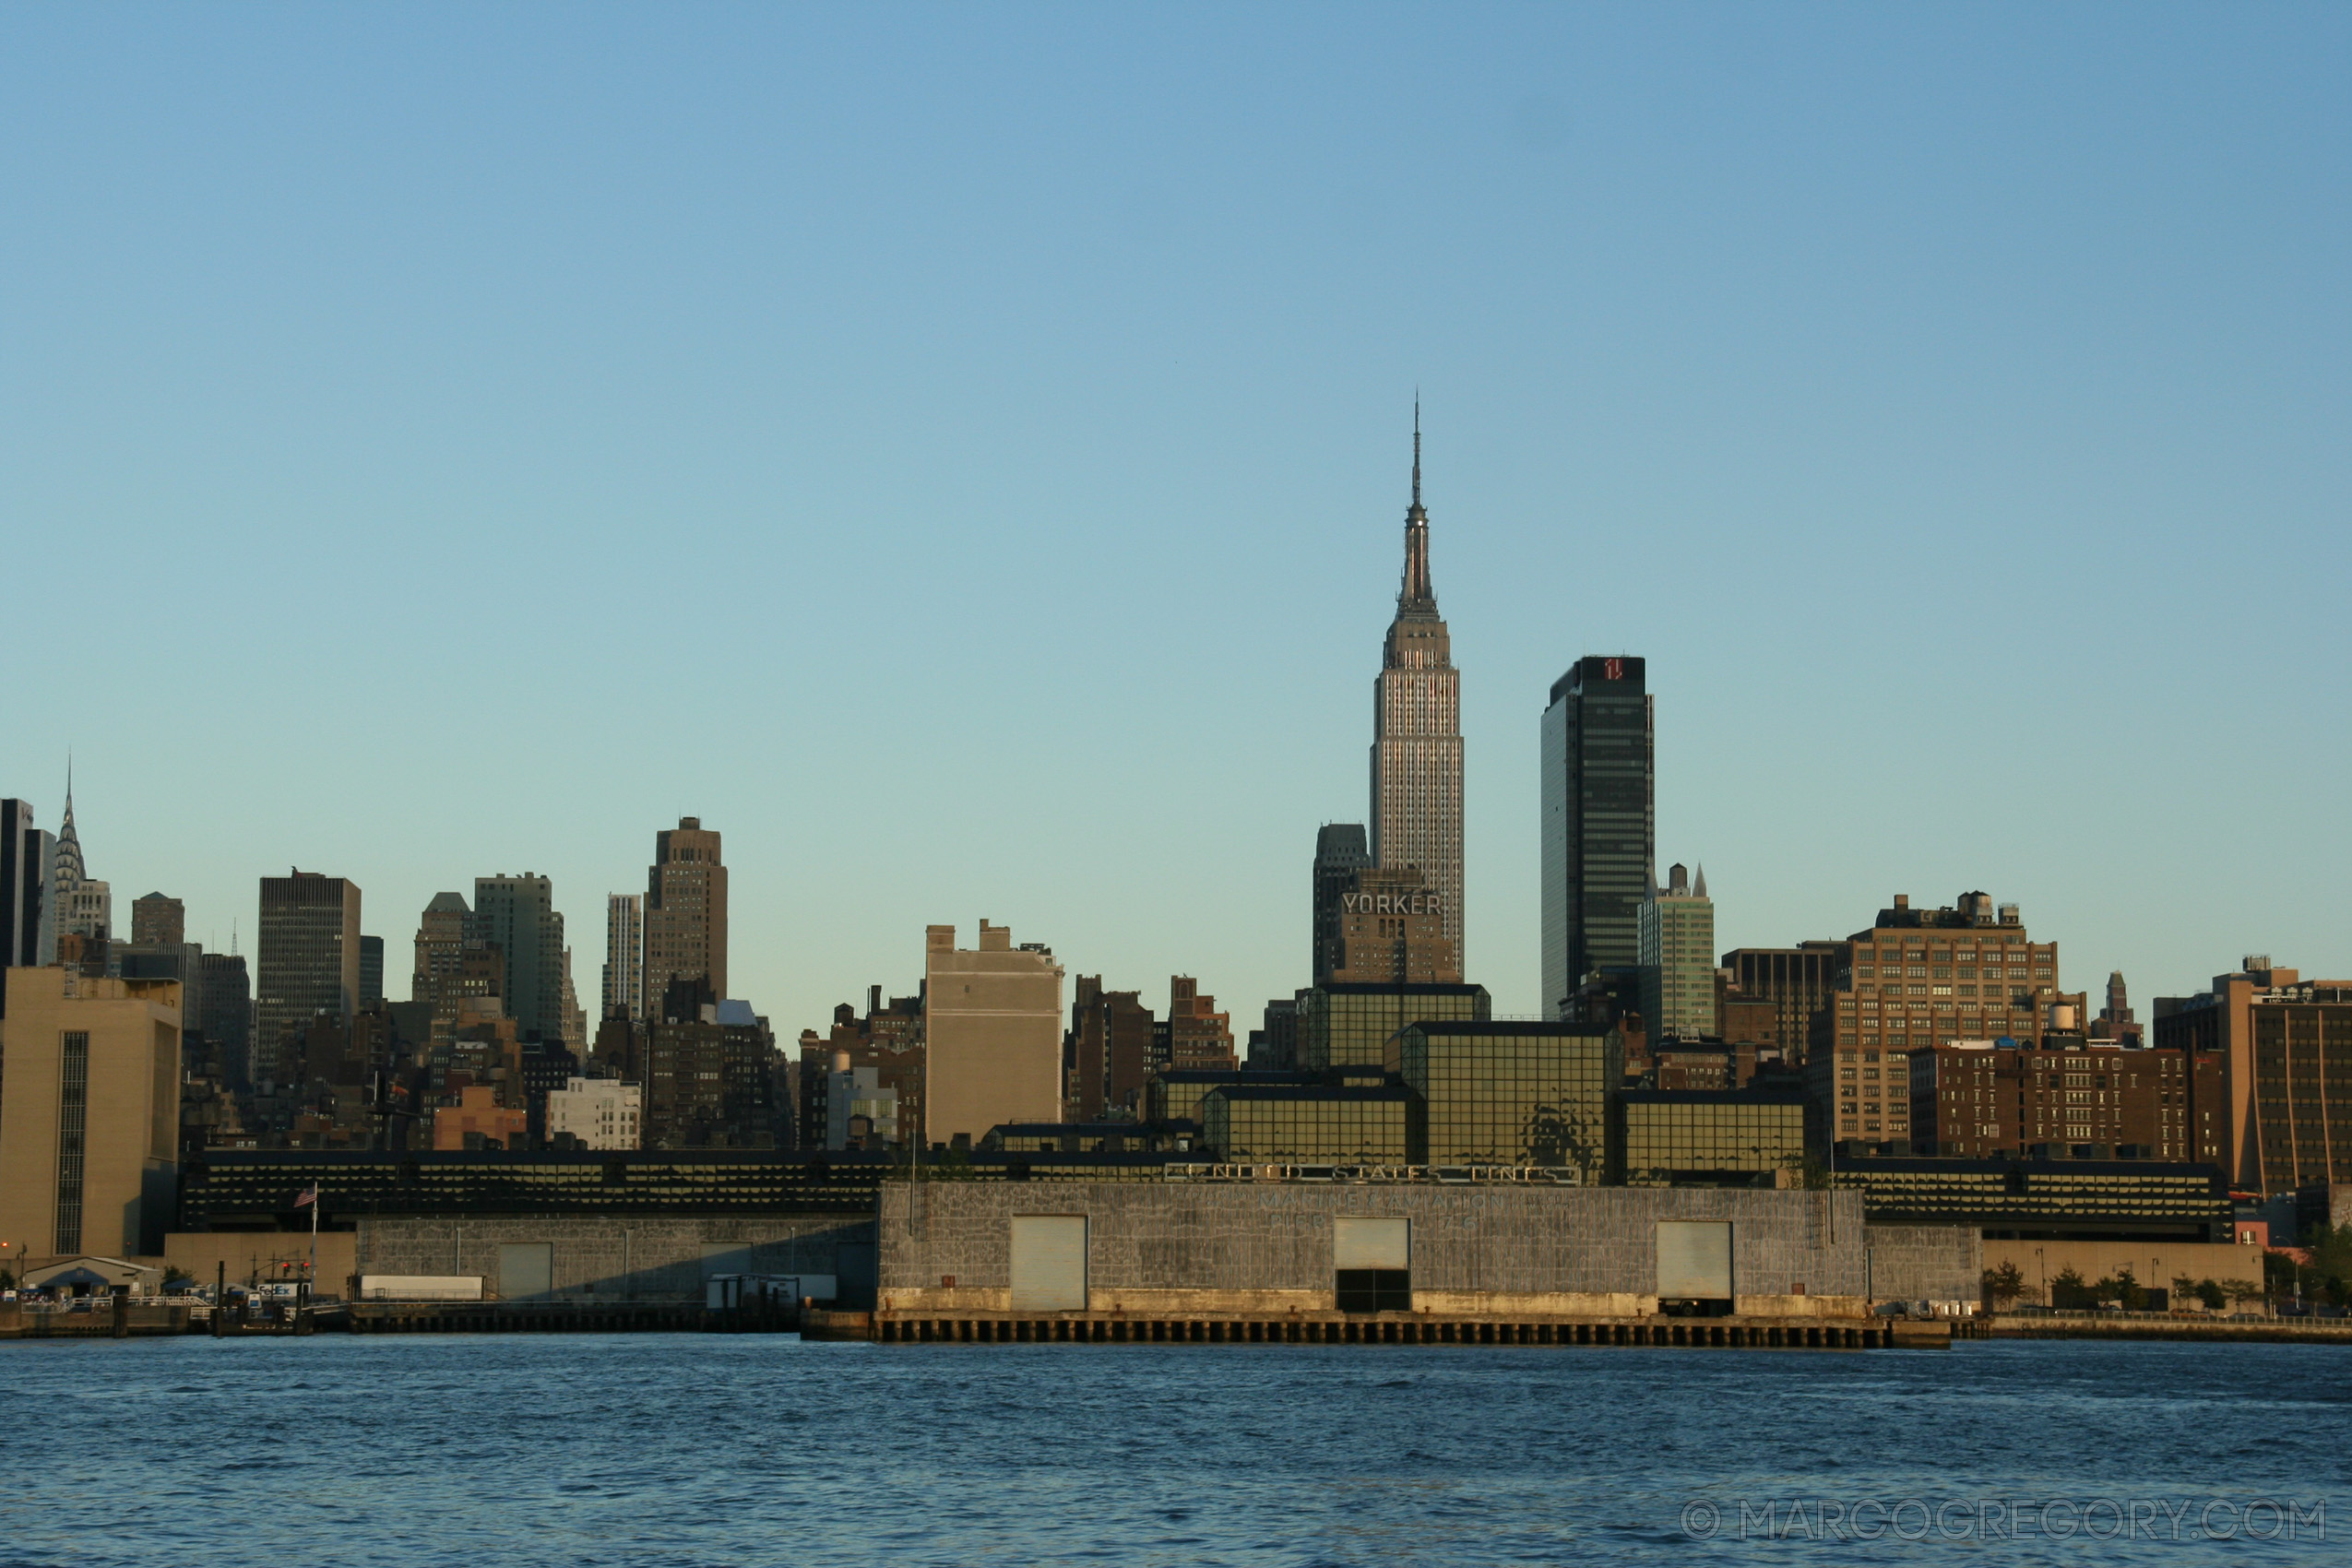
pixel 1200 1039
pixel 1915 979
pixel 2284 1048
pixel 1110 1050
pixel 2074 1100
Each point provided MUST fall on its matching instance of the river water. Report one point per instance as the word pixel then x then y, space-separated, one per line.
pixel 690 1449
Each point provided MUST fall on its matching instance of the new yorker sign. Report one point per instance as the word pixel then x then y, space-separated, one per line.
pixel 1390 903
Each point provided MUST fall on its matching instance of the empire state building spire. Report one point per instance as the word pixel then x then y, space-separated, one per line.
pixel 1415 592
pixel 1417 733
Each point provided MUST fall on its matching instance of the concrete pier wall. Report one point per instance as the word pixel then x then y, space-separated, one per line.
pixel 633 1259
pixel 1257 1248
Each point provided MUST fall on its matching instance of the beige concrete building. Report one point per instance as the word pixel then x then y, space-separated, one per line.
pixel 993 1018
pixel 89 1113
pixel 602 1112
pixel 686 911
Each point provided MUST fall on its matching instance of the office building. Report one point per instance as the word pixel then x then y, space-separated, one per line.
pixel 1274 1045
pixel 1417 733
pixel 1364 1123
pixel 85 906
pixel 2084 1099
pixel 1677 948
pixel 27 864
pixel 158 919
pixel 1349 1025
pixel 601 1113
pixel 685 910
pixel 625 955
pixel 370 972
pixel 517 915
pixel 1797 985
pixel 993 1023
pixel 1200 1039
pixel 1508 1092
pixel 1600 825
pixel 89 1113
pixel 1341 851
pixel 441 937
pixel 1710 1137
pixel 1110 1050
pixel 227 1018
pixel 2282 1044
pixel 1392 932
pixel 309 958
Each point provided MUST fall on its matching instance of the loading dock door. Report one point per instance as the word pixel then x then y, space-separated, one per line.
pixel 1048 1263
pixel 1371 1261
pixel 1694 1260
pixel 525 1269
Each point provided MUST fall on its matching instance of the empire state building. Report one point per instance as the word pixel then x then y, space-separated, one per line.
pixel 1417 733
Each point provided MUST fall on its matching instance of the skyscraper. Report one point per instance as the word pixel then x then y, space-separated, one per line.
pixel 371 970
pixel 623 956
pixel 84 907
pixel 518 913
pixel 1341 851
pixel 1676 942
pixel 28 855
pixel 309 958
pixel 1417 733
pixel 1600 825
pixel 685 910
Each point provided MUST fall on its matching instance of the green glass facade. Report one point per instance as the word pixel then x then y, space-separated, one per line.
pixel 1349 1025
pixel 1308 1122
pixel 1669 1136
pixel 1510 1093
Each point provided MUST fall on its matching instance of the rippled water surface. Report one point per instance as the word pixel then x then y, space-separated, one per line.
pixel 687 1449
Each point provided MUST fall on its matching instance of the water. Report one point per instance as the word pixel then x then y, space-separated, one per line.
pixel 686 1449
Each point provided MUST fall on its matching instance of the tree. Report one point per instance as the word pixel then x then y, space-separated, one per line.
pixel 2243 1290
pixel 2120 1287
pixel 2214 1297
pixel 2005 1284
pixel 2068 1290
pixel 2183 1290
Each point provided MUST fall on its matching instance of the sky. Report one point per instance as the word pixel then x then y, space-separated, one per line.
pixel 960 454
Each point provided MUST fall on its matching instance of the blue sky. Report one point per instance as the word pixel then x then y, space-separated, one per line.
pixel 960 454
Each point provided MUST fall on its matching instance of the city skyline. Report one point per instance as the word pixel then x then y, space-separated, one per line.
pixel 1029 496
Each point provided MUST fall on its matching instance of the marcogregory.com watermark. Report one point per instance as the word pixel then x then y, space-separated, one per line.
pixel 2020 1519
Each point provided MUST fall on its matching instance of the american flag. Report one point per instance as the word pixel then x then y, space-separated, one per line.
pixel 309 1196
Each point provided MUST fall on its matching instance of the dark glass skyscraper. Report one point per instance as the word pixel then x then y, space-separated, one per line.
pixel 1599 824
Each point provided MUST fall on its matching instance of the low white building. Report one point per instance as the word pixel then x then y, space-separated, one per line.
pixel 600 1112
